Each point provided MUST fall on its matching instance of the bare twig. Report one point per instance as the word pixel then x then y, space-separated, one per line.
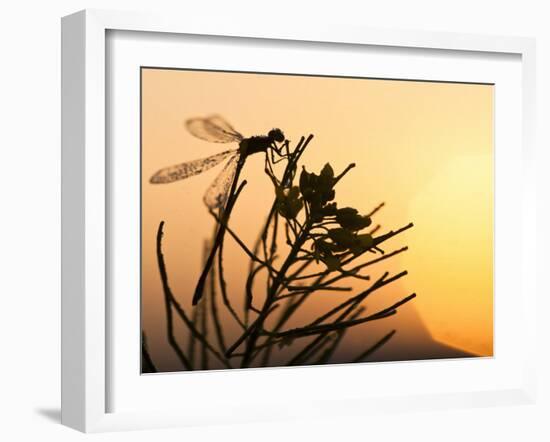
pixel 148 361
pixel 168 303
pixel 214 310
pixel 192 339
pixel 374 347
pixel 243 246
pixel 379 283
pixel 316 329
pixel 171 301
pixel 223 286
pixel 332 338
pixel 204 331
pixel 376 209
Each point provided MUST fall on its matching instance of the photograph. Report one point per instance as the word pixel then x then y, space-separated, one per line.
pixel 301 220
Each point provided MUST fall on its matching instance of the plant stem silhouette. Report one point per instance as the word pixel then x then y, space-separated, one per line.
pixel 307 247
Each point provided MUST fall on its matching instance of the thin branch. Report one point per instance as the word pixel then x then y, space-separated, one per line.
pixel 355 269
pixel 313 330
pixel 286 313
pixel 171 300
pixel 204 330
pixel 373 348
pixel 233 194
pixel 296 291
pixel 146 356
pixel 192 339
pixel 379 283
pixel 346 170
pixel 198 335
pixel 322 287
pixel 249 286
pixel 375 229
pixel 273 248
pixel 243 246
pixel 390 234
pixel 378 240
pixel 254 330
pixel 319 339
pixel 317 345
pixel 168 302
pixel 223 286
pixel 377 260
pixel 311 275
pixel 214 310
pixel 376 209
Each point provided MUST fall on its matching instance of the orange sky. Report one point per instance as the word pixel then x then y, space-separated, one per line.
pixel 426 149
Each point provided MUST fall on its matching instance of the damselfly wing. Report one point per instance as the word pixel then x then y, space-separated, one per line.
pixel 215 130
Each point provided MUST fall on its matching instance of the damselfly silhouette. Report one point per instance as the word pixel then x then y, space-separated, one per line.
pixel 219 195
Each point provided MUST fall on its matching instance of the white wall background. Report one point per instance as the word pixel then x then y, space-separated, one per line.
pixel 30 220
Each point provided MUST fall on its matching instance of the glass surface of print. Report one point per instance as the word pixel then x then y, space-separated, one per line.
pixel 301 220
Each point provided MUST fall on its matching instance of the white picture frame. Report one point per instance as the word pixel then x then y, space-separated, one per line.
pixel 85 234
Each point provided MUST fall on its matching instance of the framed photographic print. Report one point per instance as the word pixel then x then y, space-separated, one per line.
pixel 266 223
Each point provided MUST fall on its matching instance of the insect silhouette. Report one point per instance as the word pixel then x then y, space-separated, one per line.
pixel 219 195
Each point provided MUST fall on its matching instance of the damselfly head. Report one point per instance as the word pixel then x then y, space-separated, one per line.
pixel 276 135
